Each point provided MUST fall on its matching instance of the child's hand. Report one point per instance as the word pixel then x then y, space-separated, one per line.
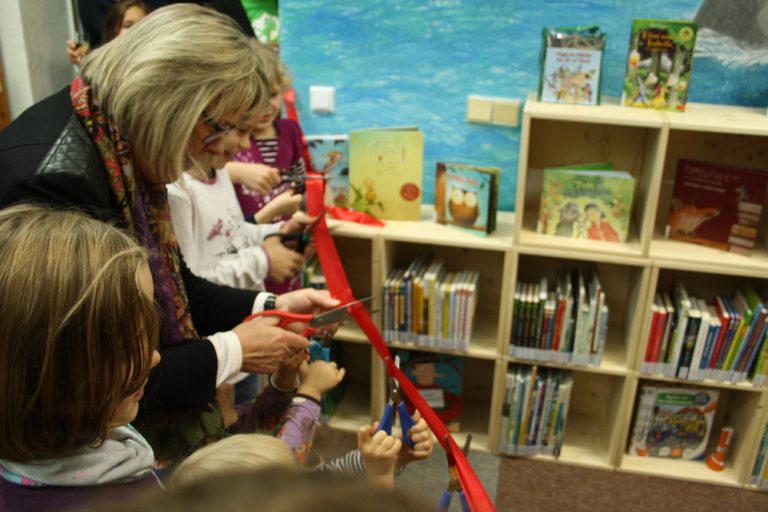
pixel 379 451
pixel 284 204
pixel 422 442
pixel 257 177
pixel 284 263
pixel 285 376
pixel 319 377
pixel 225 396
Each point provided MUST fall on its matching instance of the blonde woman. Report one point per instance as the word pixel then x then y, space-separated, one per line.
pixel 77 342
pixel 146 106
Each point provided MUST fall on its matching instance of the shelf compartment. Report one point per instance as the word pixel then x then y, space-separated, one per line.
pixel 557 135
pixel 739 409
pixel 624 286
pixel 354 409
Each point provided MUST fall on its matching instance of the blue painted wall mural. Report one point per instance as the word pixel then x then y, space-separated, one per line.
pixel 414 62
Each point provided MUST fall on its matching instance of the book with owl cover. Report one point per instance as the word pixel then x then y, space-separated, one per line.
pixel 716 205
pixel 330 156
pixel 385 171
pixel 589 202
pixel 673 422
pixel 467 196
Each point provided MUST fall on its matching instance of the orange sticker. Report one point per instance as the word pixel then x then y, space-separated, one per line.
pixel 410 191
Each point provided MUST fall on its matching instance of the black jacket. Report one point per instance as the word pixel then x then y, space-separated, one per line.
pixel 47 157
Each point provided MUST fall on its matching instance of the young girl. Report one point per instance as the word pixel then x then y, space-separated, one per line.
pixel 77 340
pixel 377 456
pixel 275 151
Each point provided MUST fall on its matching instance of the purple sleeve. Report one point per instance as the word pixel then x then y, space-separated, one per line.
pixel 298 426
pixel 265 412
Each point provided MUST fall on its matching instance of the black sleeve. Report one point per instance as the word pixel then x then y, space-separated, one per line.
pixel 215 308
pixel 186 376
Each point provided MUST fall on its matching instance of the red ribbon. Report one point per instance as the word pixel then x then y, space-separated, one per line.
pixel 338 285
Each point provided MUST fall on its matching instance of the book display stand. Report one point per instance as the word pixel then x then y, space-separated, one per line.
pixel 648 144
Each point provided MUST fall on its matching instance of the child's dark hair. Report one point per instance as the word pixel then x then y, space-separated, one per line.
pixel 113 21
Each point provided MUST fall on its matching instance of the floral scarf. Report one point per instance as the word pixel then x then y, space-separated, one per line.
pixel 145 213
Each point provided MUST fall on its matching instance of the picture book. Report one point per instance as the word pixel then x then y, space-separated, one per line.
pixel 467 197
pixel 571 61
pixel 716 205
pixel 330 156
pixel 439 379
pixel 587 204
pixel 659 64
pixel 385 172
pixel 673 422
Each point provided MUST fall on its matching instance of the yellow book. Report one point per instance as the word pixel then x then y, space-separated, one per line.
pixel 385 170
pixel 446 287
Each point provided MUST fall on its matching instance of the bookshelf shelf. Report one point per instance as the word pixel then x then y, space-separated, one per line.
pixel 647 144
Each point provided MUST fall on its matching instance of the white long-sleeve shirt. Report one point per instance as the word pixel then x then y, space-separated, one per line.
pixel 215 240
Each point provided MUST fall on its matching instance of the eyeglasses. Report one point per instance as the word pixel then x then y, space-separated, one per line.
pixel 218 130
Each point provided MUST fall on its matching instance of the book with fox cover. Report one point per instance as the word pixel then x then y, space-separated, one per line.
pixel 385 170
pixel 716 205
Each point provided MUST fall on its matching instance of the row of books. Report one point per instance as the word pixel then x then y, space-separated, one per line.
pixel 760 469
pixel 430 305
pixel 535 410
pixel 725 340
pixel 673 422
pixel 567 325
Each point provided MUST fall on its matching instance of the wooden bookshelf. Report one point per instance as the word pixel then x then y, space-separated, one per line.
pixel 648 144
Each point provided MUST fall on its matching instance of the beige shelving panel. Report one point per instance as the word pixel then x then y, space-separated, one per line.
pixel 648 145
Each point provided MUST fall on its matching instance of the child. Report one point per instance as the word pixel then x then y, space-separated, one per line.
pixel 214 238
pixel 275 150
pixel 77 342
pixel 377 456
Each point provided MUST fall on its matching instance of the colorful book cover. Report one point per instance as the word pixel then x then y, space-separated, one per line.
pixel 571 61
pixel 330 156
pixel 586 204
pixel 439 379
pixel 710 202
pixel 678 422
pixel 385 171
pixel 466 197
pixel 659 64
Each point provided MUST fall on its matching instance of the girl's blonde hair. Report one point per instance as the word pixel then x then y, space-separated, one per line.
pixel 155 81
pixel 77 330
pixel 274 69
pixel 238 452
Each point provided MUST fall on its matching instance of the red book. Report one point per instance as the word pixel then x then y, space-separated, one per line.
pixel 708 200
pixel 725 319
pixel 558 323
pixel 655 316
pixel 658 335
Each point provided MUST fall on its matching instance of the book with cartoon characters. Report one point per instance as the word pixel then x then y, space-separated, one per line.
pixel 330 156
pixel 659 64
pixel 385 170
pixel 466 197
pixel 673 422
pixel 716 205
pixel 590 202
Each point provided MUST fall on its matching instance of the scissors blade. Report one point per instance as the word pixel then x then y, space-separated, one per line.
pixel 335 315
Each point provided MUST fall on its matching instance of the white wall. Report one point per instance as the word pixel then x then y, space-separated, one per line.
pixel 33 35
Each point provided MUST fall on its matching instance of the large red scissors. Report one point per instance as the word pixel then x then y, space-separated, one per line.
pixel 313 322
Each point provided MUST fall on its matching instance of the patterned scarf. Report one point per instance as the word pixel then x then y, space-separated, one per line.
pixel 145 213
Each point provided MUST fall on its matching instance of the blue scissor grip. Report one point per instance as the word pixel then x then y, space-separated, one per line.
pixel 445 500
pixel 386 420
pixel 406 422
pixel 318 352
pixel 464 503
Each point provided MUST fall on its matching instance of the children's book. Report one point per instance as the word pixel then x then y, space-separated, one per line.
pixel 385 171
pixel 586 204
pixel 467 197
pixel 716 205
pixel 439 379
pixel 330 156
pixel 659 64
pixel 571 61
pixel 673 422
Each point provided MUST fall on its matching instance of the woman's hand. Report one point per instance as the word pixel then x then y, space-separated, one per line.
pixel 379 451
pixel 319 377
pixel 284 263
pixel 257 177
pixel 306 300
pixel 265 345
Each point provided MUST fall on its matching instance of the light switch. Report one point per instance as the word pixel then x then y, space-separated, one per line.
pixel 322 98
pixel 479 109
pixel 506 112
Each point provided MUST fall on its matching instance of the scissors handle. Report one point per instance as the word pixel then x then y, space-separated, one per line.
pixel 386 419
pixel 406 422
pixel 317 352
pixel 445 500
pixel 286 317
pixel 464 502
